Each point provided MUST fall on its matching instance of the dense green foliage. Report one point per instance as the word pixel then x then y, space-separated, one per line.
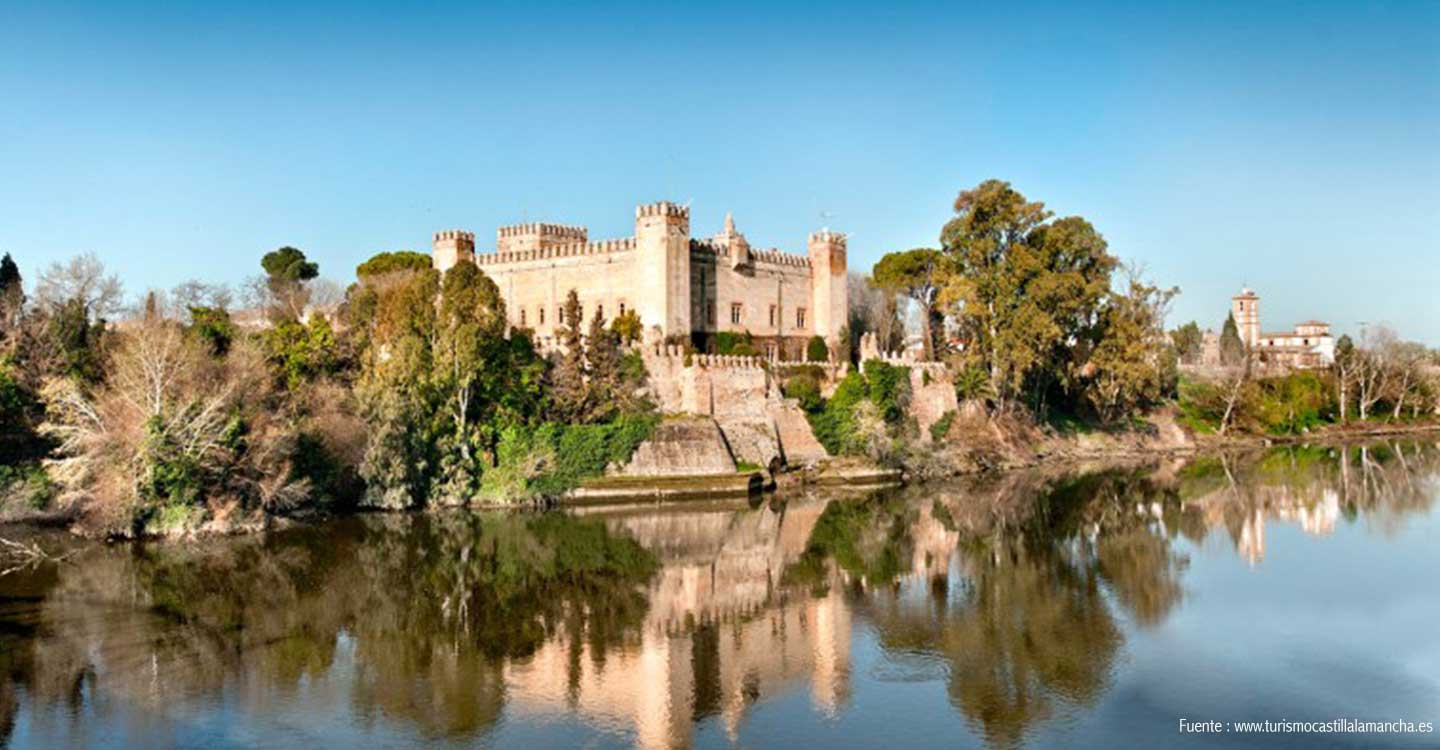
pixel 1281 405
pixel 816 350
pixel 422 395
pixel 393 262
pixel 1232 348
pixel 865 411
pixel 1188 342
pixel 550 458
pixel 1022 289
pixel 739 344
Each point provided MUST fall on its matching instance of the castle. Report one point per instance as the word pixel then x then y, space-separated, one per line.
pixel 677 284
pixel 1306 345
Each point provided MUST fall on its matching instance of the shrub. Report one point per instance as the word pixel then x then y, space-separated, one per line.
pixel 816 350
pixel 806 389
pixel 1294 403
pixel 973 384
pixel 739 344
pixel 548 460
pixel 25 485
pixel 941 428
pixel 889 389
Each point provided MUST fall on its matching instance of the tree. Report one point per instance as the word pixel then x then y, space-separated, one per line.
pixel 172 434
pixel 81 280
pixel 396 393
pixel 627 327
pixel 1232 348
pixel 915 274
pixel 392 262
pixel 12 296
pixel 1021 287
pixel 188 295
pixel 873 310
pixel 1344 367
pixel 471 330
pixel 1372 371
pixel 602 357
pixel 569 372
pixel 1188 342
pixel 79 343
pixel 816 350
pixel 286 271
pixel 1132 365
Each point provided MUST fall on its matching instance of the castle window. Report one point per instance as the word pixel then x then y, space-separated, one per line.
pixel 600 311
pixel 710 313
pixel 522 316
pixel 542 315
pixel 735 310
pixel 799 317
pixel 773 313
pixel 622 308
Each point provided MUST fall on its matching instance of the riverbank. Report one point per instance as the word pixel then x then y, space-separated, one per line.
pixel 980 445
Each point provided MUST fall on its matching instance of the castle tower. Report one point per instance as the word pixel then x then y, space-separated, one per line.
pixel 518 238
pixel 662 284
pixel 451 247
pixel 1245 307
pixel 828 292
pixel 735 243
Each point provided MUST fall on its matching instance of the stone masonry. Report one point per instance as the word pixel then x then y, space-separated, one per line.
pixel 678 284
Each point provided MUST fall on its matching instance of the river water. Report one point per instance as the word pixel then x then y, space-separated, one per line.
pixel 1079 608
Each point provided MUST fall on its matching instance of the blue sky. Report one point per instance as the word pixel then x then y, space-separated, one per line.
pixel 1287 146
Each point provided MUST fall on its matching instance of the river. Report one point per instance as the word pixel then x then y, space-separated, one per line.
pixel 1092 608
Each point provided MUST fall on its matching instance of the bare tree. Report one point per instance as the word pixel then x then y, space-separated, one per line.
pixel 194 293
pixel 82 279
pixel 1233 385
pixel 326 294
pixel 1372 372
pixel 874 310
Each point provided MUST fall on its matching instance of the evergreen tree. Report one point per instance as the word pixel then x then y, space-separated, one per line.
pixel 569 374
pixel 1232 349
pixel 286 272
pixel 12 295
pixel 603 358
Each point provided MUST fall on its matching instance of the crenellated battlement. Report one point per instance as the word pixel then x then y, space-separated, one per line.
pixel 570 250
pixel 548 231
pixel 772 256
pixel 709 361
pixel 777 258
pixel 827 237
pixel 662 208
pixel 459 235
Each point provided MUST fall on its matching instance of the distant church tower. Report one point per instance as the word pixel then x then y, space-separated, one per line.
pixel 1245 306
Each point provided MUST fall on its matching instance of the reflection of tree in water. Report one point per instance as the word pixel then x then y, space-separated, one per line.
pixel 869 539
pixel 1385 484
pixel 1028 626
pixel 434 604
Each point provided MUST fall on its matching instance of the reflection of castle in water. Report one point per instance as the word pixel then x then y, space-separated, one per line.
pixel 656 620
pixel 719 635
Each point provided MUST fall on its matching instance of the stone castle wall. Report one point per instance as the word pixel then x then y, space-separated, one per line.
pixel 677 284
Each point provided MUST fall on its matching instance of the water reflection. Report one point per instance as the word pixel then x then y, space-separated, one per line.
pixel 659 627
